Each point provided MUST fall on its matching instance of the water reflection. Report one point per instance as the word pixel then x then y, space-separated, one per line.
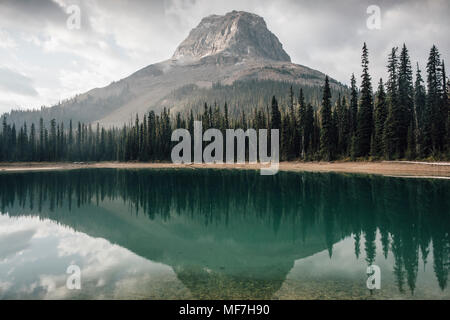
pixel 236 234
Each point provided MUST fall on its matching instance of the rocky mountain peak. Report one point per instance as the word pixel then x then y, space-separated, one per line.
pixel 237 34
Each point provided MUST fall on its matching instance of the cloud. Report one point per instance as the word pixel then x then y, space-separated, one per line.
pixel 30 15
pixel 119 37
pixel 14 242
pixel 6 42
pixel 108 271
pixel 16 83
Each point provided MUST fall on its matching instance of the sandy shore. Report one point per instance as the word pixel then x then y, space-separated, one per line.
pixel 387 168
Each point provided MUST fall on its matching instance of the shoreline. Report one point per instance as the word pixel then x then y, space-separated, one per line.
pixel 386 168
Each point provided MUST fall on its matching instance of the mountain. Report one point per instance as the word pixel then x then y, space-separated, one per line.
pixel 238 34
pixel 221 50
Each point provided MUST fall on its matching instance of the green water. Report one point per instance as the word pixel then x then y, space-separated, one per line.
pixel 222 234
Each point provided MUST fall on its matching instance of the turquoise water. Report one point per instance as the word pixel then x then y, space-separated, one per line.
pixel 222 234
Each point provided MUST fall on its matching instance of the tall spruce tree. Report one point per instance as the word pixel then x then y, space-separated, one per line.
pixel 302 124
pixel 448 118
pixel 444 109
pixel 405 100
pixel 353 105
pixel 365 111
pixel 380 115
pixel 346 131
pixel 309 131
pixel 276 115
pixel 293 127
pixel 342 126
pixel 419 109
pixel 327 130
pixel 391 135
pixel 432 135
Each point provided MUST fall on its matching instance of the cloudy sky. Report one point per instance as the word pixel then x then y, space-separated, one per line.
pixel 42 61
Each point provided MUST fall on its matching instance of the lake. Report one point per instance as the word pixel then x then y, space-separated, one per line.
pixel 222 234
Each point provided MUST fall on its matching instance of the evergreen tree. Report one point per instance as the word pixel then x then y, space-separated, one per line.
pixel 285 137
pixel 342 126
pixel 432 135
pixel 32 143
pixel 405 100
pixel 42 148
pixel 411 143
pixel 309 131
pixel 276 115
pixel 380 115
pixel 302 124
pixel 52 140
pixel 353 105
pixel 294 145
pixel 443 111
pixel 365 111
pixel 326 134
pixel 391 133
pixel 419 108
pixel 347 128
pixel 227 122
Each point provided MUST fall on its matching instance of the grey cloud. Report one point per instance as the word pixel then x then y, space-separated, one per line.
pixel 32 12
pixel 324 35
pixel 33 15
pixel 17 83
pixel 14 242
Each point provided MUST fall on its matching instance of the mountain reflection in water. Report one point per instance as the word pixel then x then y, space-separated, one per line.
pixel 236 234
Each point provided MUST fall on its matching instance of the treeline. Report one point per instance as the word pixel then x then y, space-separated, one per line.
pixel 402 120
pixel 247 95
pixel 241 95
pixel 81 108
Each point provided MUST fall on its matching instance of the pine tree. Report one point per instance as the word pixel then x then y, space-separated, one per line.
pixel 347 127
pixel 276 115
pixel 32 143
pixel 309 131
pixel 326 134
pixel 380 115
pixel 432 135
pixel 444 110
pixel 42 147
pixel 391 133
pixel 411 143
pixel 365 111
pixel 79 141
pixel 227 122
pixel 294 144
pixel 52 140
pixel 13 142
pixel 342 125
pixel 405 100
pixel 448 118
pixel 419 108
pixel 302 124
pixel 285 137
pixel 4 140
pixel 315 141
pixel 353 105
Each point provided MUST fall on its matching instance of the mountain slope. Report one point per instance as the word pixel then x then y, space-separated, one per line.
pixel 221 49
